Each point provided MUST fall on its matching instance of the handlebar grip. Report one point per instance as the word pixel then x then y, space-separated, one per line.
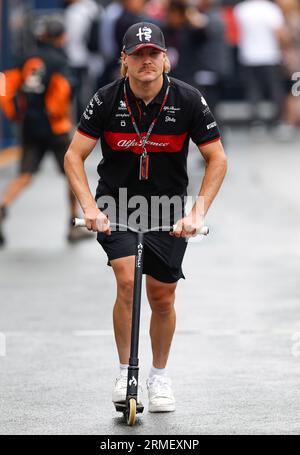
pixel 79 222
pixel 204 230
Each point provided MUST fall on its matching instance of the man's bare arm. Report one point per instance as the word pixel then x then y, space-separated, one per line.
pixel 79 149
pixel 215 171
pixel 216 166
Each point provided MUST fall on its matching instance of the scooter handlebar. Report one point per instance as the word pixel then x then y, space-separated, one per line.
pixel 204 230
pixel 80 222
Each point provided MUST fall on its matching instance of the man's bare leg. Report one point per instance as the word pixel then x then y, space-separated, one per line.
pixel 163 320
pixel 161 297
pixel 15 188
pixel 11 192
pixel 122 312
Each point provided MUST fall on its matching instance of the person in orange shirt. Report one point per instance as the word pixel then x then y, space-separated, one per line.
pixel 38 96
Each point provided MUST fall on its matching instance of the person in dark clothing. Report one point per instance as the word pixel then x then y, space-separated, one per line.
pixel 128 13
pixel 185 31
pixel 212 56
pixel 38 97
pixel 78 19
pixel 144 122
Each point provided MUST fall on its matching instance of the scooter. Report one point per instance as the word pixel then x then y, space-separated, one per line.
pixel 130 407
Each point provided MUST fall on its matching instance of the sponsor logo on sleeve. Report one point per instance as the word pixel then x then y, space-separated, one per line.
pixel 97 99
pixel 203 101
pixel 211 125
pixel 90 107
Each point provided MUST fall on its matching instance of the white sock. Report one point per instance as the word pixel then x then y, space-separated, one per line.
pixel 157 371
pixel 123 368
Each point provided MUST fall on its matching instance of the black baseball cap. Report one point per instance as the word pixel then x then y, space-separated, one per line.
pixel 143 34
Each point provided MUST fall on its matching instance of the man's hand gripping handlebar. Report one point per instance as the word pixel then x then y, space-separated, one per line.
pixel 80 222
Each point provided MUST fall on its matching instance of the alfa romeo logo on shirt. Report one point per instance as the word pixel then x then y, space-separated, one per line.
pixel 146 32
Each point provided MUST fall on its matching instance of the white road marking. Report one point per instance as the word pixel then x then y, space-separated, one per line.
pixel 110 332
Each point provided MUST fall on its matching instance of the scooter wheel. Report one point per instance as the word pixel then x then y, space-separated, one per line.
pixel 131 412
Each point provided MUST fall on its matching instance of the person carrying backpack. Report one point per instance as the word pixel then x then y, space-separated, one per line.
pixel 38 97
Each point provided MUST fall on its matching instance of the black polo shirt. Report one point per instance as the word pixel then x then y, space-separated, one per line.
pixel 185 116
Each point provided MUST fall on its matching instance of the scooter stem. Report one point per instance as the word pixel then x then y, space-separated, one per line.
pixel 138 275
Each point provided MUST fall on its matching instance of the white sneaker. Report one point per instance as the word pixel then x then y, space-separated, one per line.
pixel 120 389
pixel 161 397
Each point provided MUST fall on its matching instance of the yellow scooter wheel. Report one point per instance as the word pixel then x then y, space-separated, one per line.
pixel 131 412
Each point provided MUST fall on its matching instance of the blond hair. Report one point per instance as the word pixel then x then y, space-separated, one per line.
pixel 123 67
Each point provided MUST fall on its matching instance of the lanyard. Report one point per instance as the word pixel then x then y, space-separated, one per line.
pixel 144 159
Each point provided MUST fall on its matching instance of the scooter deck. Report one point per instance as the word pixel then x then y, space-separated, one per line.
pixel 121 406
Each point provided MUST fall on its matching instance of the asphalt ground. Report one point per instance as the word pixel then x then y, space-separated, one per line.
pixel 235 358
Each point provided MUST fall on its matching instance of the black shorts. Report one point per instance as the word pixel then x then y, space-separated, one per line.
pixel 35 150
pixel 163 254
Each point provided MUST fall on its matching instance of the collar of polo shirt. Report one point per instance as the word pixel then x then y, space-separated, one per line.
pixel 159 97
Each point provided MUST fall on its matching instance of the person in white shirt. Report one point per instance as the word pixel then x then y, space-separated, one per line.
pixel 79 15
pixel 262 30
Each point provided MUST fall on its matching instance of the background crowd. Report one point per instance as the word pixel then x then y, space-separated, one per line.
pixel 231 51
